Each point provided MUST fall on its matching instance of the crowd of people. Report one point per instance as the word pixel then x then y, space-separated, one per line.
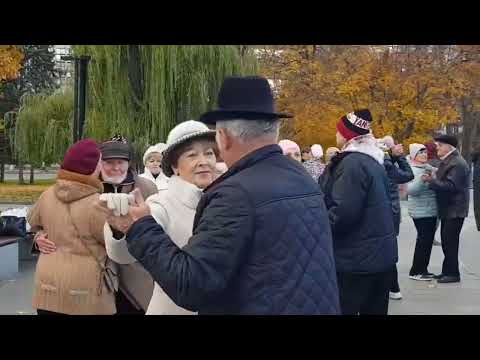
pixel 226 219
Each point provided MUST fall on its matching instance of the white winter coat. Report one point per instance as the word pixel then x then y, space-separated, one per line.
pixel 161 181
pixel 174 209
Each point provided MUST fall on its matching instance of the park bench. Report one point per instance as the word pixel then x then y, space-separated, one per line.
pixel 9 256
pixel 14 249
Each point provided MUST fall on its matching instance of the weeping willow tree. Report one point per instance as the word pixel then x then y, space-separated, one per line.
pixel 143 91
pixel 43 129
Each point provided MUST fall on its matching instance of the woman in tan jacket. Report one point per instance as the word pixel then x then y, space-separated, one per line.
pixel 71 280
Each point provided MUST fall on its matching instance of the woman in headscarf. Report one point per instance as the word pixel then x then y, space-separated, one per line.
pixel 152 159
pixel 291 149
pixel 422 208
pixel 315 166
pixel 330 153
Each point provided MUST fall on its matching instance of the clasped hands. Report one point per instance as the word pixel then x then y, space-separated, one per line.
pixel 430 174
pixel 123 209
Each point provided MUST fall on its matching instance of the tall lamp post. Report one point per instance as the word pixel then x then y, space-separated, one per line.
pixel 80 93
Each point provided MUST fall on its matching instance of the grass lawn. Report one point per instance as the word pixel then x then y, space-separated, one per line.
pixel 11 192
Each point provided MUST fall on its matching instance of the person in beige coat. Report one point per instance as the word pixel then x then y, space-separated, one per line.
pixel 135 284
pixel 189 161
pixel 71 280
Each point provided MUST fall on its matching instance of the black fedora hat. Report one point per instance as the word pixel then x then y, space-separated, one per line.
pixel 248 98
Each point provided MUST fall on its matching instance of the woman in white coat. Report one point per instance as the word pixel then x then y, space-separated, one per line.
pixel 189 161
pixel 152 159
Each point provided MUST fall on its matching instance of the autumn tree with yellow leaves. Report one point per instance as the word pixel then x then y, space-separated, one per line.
pixel 10 62
pixel 412 91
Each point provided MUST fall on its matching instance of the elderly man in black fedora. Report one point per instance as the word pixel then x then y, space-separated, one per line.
pixel 261 241
pixel 451 184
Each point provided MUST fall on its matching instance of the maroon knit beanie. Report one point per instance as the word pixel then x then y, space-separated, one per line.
pixel 82 157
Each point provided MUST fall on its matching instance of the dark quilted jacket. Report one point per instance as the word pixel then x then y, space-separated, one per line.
pixel 261 244
pixel 399 172
pixel 357 196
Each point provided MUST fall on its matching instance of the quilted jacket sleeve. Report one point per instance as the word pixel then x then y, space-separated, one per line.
pixel 196 274
pixel 401 174
pixel 349 192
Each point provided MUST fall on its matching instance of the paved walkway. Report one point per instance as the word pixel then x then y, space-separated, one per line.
pixel 419 297
pixel 16 294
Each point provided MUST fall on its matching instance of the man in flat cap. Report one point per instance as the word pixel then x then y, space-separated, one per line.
pixel 451 184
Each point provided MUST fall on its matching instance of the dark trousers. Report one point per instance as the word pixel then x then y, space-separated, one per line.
pixel 394 287
pixel 125 307
pixel 46 312
pixel 450 233
pixel 364 294
pixel 426 228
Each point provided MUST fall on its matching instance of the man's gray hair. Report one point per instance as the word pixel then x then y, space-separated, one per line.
pixel 248 130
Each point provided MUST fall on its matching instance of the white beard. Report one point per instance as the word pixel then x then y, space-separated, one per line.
pixel 367 145
pixel 116 180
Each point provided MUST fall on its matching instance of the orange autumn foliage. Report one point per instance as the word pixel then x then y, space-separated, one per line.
pixel 411 93
pixel 10 62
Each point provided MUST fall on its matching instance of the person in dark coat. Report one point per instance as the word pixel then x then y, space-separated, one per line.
pixel 261 240
pixel 357 195
pixel 476 184
pixel 399 172
pixel 451 184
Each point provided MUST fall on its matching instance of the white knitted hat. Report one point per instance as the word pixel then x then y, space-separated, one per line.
pixel 414 149
pixel 288 145
pixel 317 151
pixel 180 134
pixel 159 148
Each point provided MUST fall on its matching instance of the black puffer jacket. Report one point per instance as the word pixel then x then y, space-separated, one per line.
pixel 399 172
pixel 476 188
pixel 452 187
pixel 356 190
pixel 261 244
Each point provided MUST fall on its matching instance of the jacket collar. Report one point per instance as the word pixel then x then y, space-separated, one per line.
pixel 72 186
pixel 248 161
pixel 365 144
pixel 450 155
pixel 80 178
pixel 188 194
pixel 160 180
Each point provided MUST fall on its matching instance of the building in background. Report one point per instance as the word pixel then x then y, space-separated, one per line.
pixel 65 68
